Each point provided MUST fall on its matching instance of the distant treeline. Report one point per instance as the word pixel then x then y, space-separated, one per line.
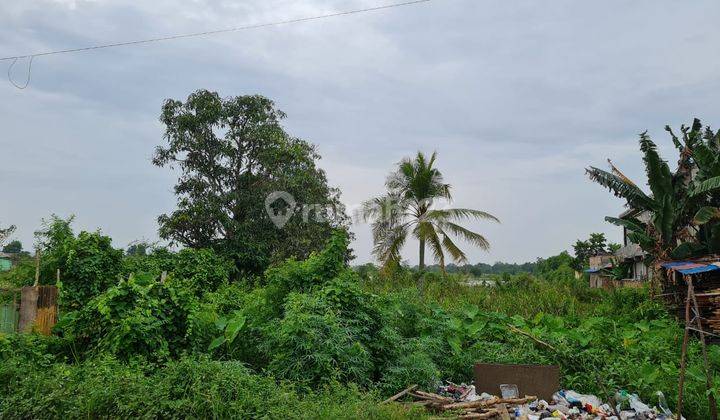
pixel 480 269
pixel 540 266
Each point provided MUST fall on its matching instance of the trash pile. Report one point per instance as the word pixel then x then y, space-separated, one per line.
pixel 464 402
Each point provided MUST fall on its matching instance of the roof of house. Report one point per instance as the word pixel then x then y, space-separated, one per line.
pixel 691 267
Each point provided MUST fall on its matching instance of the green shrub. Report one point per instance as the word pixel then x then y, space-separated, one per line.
pixel 201 270
pixel 186 388
pixel 139 317
pixel 313 344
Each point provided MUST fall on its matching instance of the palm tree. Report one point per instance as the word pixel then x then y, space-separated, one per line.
pixel 407 208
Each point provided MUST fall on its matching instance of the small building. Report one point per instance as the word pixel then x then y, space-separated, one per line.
pixel 599 270
pixel 631 253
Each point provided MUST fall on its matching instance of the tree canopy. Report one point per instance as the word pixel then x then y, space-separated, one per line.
pixel 13 247
pixel 232 154
pixel 595 245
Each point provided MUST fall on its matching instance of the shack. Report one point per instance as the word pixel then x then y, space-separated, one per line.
pixel 704 273
pixel 599 271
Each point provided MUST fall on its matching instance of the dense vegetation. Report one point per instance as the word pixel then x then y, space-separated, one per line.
pixel 252 321
pixel 313 338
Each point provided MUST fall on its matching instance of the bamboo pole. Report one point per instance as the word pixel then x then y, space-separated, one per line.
pixel 708 373
pixel 683 355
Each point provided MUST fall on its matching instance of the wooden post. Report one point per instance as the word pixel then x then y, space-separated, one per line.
pixel 708 373
pixel 37 267
pixel 57 276
pixel 163 276
pixel 683 355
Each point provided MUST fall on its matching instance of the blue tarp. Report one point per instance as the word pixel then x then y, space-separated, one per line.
pixel 675 263
pixel 697 270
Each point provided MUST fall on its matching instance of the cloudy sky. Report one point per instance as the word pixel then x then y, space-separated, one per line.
pixel 516 98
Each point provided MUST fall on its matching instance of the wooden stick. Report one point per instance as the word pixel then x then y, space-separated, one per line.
pixel 708 374
pixel 530 336
pixel 433 396
pixel 490 402
pixel 683 355
pixel 503 412
pixel 486 415
pixel 396 396
pixel 37 267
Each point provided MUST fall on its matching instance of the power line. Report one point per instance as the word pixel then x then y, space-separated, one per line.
pixel 219 31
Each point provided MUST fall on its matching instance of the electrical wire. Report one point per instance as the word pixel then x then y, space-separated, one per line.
pixel 218 31
pixel 27 81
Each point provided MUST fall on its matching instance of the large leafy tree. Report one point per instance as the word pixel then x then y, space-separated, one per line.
pixel 407 209
pixel 232 153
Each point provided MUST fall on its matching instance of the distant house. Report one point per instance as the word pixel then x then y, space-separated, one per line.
pixel 631 253
pixel 599 270
pixel 6 261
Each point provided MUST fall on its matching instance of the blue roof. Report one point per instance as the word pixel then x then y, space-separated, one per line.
pixel 696 270
pixel 675 263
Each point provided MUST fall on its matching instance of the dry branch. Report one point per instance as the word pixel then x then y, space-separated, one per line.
pixel 400 394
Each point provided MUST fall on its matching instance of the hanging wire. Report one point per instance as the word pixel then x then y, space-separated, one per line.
pixel 15 58
pixel 218 31
pixel 29 71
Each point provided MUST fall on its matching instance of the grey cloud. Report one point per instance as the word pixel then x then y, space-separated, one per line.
pixel 517 98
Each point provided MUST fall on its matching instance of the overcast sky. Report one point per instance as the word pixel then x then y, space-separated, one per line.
pixel 516 97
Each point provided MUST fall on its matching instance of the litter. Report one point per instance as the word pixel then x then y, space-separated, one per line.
pixel 463 402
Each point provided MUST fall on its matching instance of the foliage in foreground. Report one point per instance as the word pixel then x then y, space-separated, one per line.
pixel 305 326
pixel 185 388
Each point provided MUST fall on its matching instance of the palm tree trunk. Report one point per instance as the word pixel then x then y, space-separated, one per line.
pixel 421 265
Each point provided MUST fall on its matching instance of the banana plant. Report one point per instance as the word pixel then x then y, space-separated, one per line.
pixel 668 233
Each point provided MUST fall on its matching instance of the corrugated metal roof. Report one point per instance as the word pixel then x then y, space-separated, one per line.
pixel 690 267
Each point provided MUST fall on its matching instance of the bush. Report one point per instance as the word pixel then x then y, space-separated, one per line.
pixel 312 344
pixel 201 270
pixel 139 317
pixel 88 263
pixel 186 388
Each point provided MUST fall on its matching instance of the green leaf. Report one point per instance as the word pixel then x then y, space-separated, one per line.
pixel 221 323
pixel 687 249
pixel 471 312
pixel 234 327
pixel 455 324
pixel 643 326
pixel 476 327
pixel 217 342
pixel 706 214
pixel 706 186
pixel 455 343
